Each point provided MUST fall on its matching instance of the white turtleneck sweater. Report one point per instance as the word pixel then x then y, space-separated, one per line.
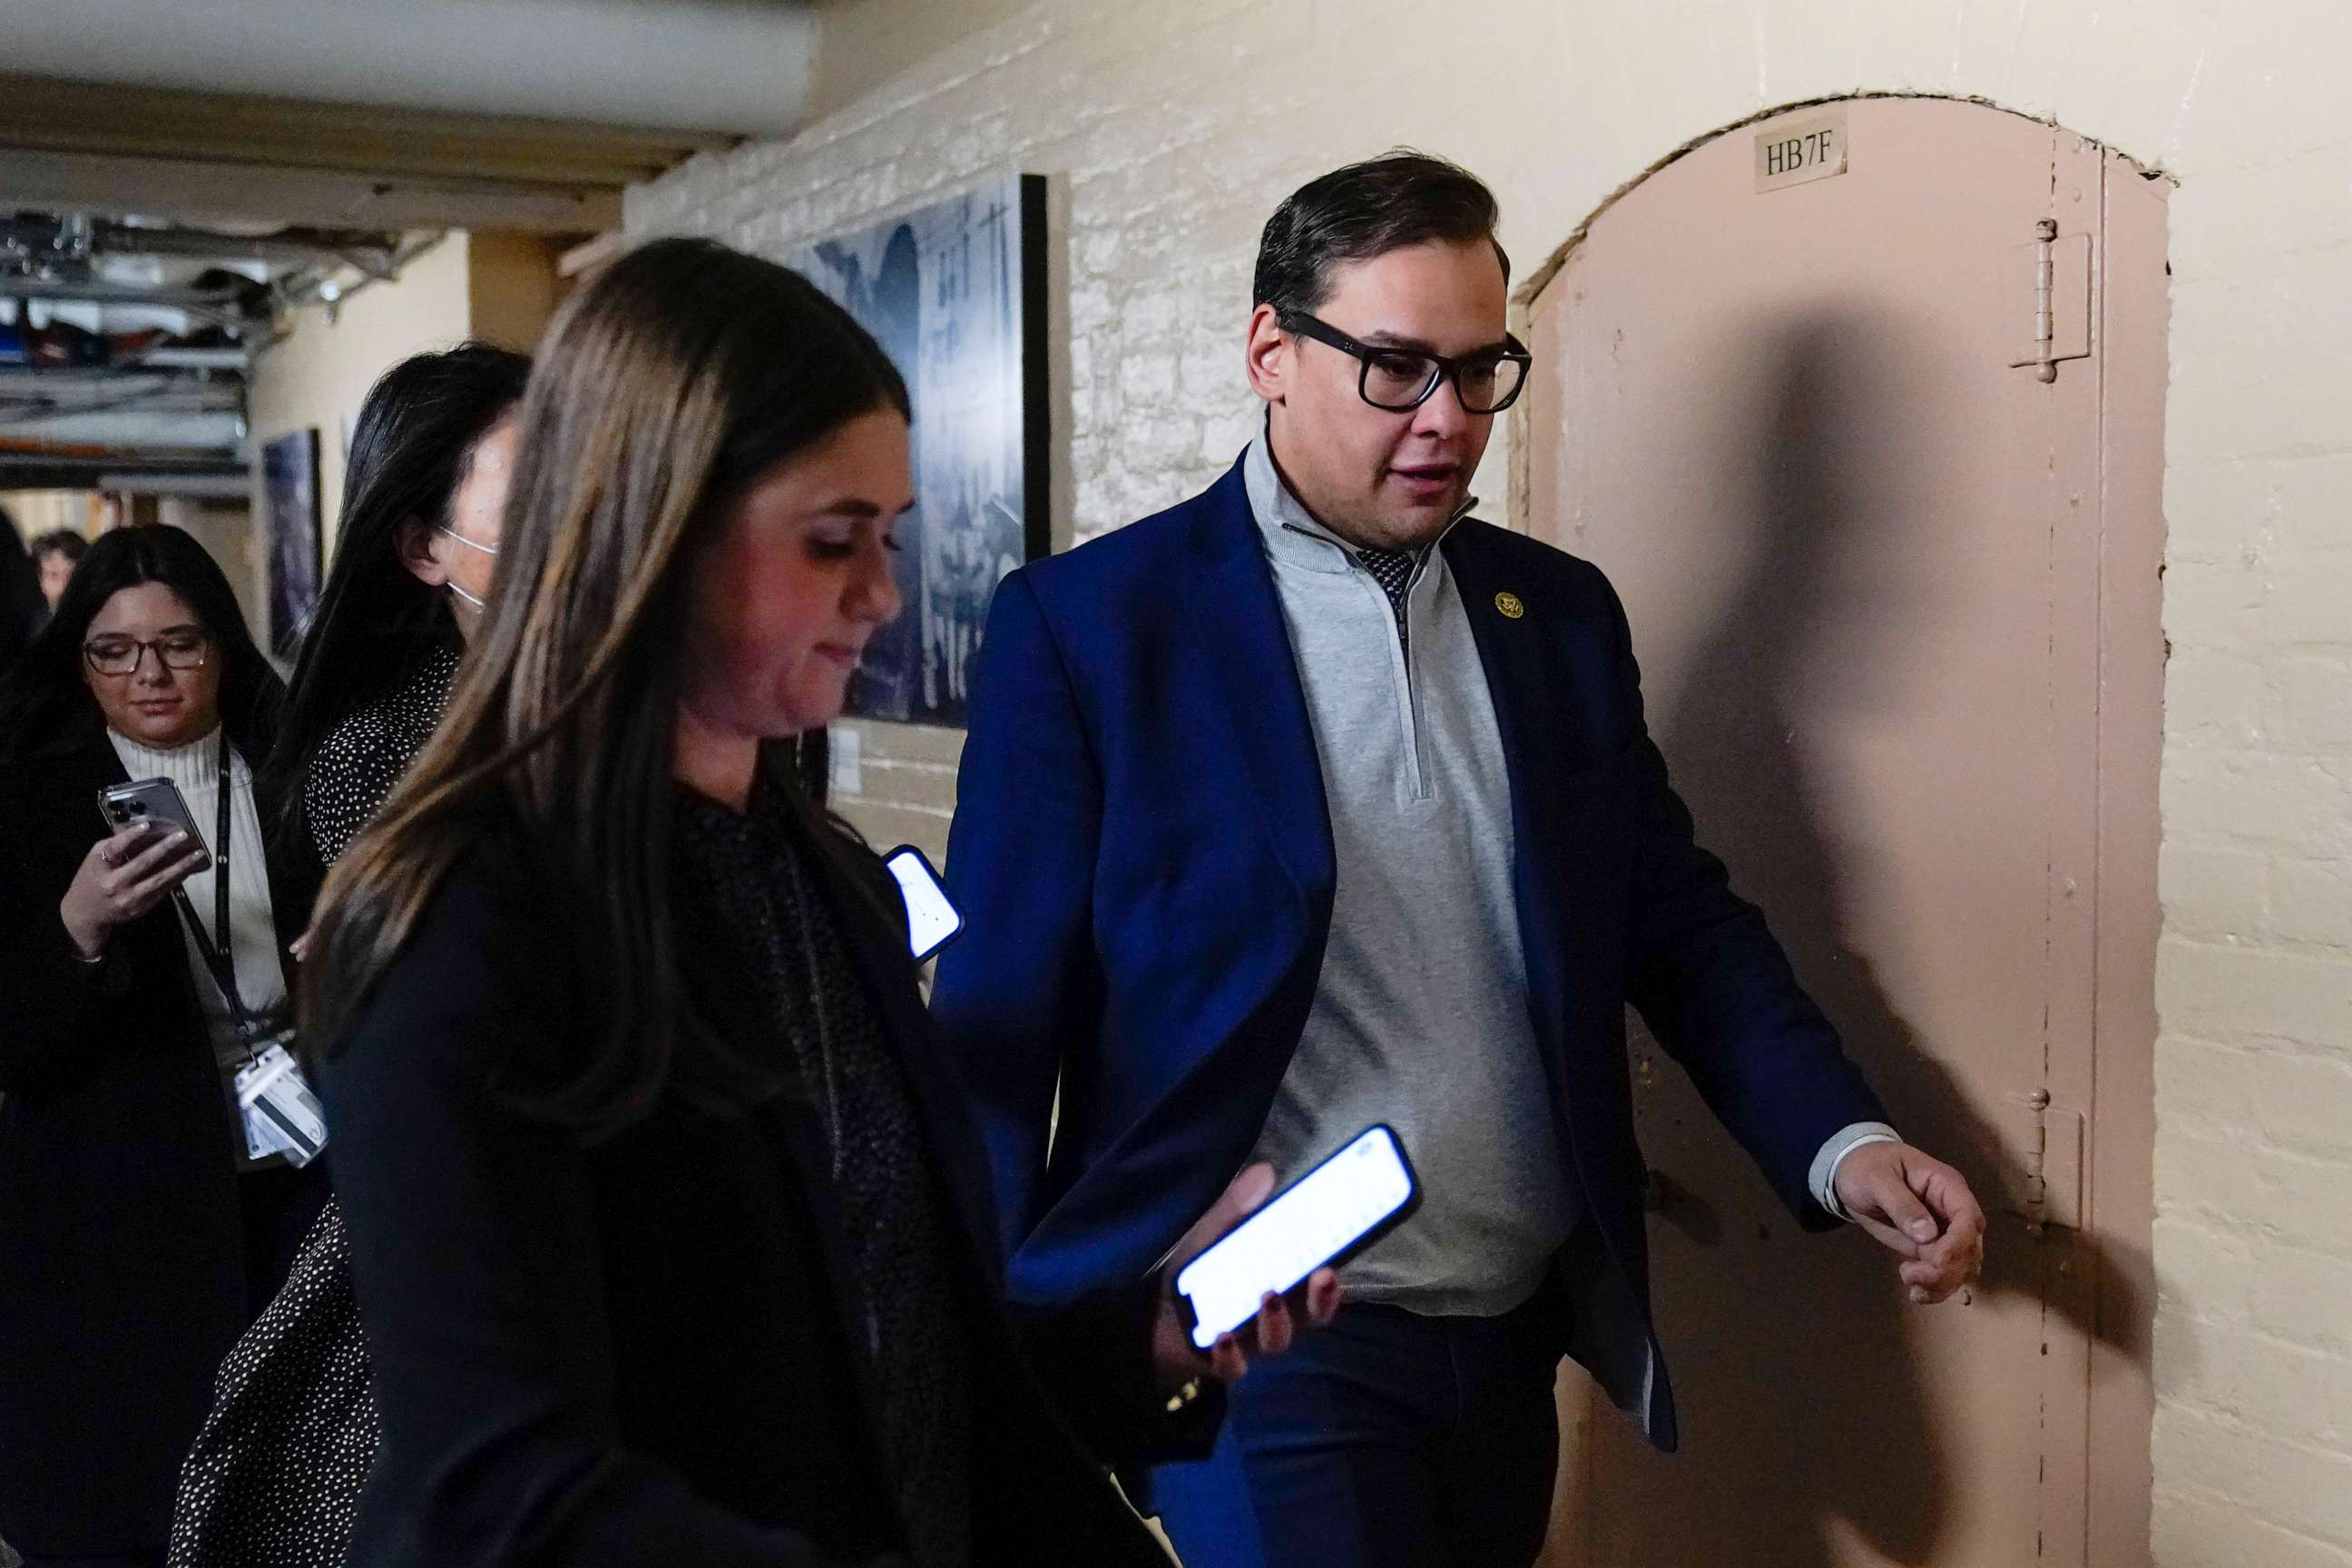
pixel 260 979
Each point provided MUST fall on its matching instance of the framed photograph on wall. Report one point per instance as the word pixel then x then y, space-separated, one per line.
pixel 289 500
pixel 955 292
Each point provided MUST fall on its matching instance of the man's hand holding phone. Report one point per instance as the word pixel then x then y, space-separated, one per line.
pixel 1315 1302
pixel 123 876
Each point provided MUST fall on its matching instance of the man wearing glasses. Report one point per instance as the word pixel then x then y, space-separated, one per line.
pixel 1314 802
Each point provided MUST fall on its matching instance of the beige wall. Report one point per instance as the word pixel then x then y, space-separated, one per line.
pixel 511 287
pixel 1170 131
pixel 500 287
pixel 863 44
pixel 222 526
pixel 317 374
pixel 44 511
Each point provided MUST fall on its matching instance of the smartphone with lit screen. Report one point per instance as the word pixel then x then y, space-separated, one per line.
pixel 931 920
pixel 1323 1218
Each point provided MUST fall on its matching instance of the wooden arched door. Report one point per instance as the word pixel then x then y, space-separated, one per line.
pixel 1860 407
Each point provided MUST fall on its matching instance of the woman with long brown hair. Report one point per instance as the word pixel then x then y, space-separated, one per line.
pixel 668 1229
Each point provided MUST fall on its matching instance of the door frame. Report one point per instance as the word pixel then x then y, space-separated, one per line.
pixel 2133 370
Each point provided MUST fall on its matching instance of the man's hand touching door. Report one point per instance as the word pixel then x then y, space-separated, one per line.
pixel 1918 1208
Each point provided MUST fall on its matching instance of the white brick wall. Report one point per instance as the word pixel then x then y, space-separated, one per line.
pixel 1170 130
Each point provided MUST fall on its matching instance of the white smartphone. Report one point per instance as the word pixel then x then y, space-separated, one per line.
pixel 1323 1218
pixel 152 803
pixel 932 922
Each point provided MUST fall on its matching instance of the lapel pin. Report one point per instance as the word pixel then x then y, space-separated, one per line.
pixel 1510 606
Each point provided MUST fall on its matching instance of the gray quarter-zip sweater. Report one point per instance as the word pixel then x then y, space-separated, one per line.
pixel 1419 1018
pixel 1420 1015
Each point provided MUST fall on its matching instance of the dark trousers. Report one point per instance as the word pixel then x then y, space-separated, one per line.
pixel 1387 1440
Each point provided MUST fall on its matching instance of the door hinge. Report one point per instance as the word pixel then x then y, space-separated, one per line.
pixel 2052 276
pixel 2042 1161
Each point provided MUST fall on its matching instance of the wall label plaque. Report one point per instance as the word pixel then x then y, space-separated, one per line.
pixel 1799 151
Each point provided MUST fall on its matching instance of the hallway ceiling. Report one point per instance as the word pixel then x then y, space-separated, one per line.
pixel 172 176
pixel 124 345
pixel 515 114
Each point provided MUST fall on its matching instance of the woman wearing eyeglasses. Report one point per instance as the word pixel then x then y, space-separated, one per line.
pixel 137 1231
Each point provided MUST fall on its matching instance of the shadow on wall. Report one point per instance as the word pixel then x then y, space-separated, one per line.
pixel 1807 1418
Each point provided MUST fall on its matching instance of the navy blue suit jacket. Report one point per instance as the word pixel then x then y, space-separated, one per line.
pixel 1142 854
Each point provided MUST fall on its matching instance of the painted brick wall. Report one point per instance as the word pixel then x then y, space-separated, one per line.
pixel 1170 130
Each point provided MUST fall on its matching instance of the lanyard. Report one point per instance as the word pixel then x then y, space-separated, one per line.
pixel 219 948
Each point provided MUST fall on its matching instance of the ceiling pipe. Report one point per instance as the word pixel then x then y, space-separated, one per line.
pixel 187 475
pixel 77 238
pixel 90 291
pixel 201 487
pixel 364 249
pixel 18 455
pixel 737 66
pixel 162 359
pixel 221 307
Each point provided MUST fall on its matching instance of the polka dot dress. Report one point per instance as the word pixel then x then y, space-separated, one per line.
pixel 274 1480
pixel 363 757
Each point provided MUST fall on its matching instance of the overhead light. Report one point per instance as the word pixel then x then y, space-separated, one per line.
pixel 330 290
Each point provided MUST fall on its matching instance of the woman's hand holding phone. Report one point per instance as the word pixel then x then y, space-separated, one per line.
pixel 123 878
pixel 1316 1301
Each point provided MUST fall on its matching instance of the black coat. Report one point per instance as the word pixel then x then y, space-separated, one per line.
pixel 632 1351
pixel 122 1258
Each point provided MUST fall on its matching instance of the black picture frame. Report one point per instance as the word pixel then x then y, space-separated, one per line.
pixel 289 496
pixel 955 292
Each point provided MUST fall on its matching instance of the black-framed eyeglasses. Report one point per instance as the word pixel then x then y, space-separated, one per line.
pixel 1398 381
pixel 121 656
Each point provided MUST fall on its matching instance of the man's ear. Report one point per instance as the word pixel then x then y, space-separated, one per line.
pixel 419 548
pixel 1267 355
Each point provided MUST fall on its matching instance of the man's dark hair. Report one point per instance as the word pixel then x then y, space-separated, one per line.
pixel 1398 199
pixel 62 541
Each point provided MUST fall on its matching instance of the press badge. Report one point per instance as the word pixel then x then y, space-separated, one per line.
pixel 281 1116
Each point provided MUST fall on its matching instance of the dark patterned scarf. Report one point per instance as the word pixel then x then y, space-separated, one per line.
pixel 755 870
